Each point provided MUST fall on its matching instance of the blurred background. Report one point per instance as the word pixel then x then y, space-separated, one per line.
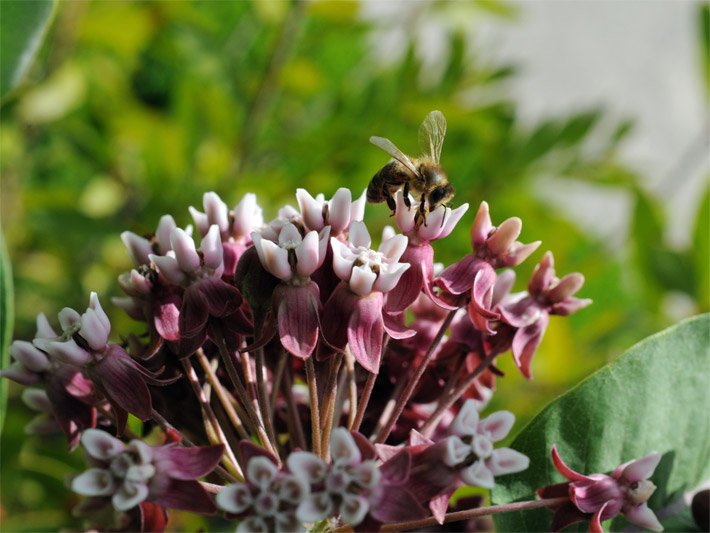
pixel 586 119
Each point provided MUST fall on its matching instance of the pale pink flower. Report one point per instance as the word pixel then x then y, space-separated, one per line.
pixel 338 212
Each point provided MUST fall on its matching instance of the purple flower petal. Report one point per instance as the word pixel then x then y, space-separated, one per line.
pixel 395 328
pixel 565 470
pixel 123 383
pixel 595 526
pixel 439 505
pixel 525 344
pixel 298 320
pixel 412 281
pixel 188 463
pixel 365 331
pixel 458 278
pixel 185 495
pixel 339 308
pixel 397 505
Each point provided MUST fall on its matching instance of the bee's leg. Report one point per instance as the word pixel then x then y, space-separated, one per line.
pixel 422 209
pixel 405 195
pixel 391 203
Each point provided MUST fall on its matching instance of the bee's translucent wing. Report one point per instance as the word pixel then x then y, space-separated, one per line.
pixel 431 135
pixel 389 147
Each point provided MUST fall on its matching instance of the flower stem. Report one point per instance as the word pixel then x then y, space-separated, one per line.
pixel 475 513
pixel 221 394
pixel 276 383
pixel 241 390
pixel 364 400
pixel 232 463
pixel 315 411
pixel 263 396
pixel 352 388
pixel 414 380
pixel 446 403
pixel 298 437
pixel 328 408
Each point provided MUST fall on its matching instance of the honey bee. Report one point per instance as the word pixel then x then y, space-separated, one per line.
pixel 423 177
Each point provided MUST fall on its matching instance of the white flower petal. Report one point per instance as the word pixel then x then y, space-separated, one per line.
pixel 289 235
pixel 96 306
pixel 357 208
pixel 339 210
pixel 247 216
pixel 644 517
pixel 452 219
pixel 261 472
pixel 169 268
pixel 353 509
pixel 216 211
pixel 166 225
pixel 138 248
pixel 307 254
pixel 311 210
pixel 358 235
pixel 100 445
pixel 403 215
pixel 200 219
pixel 434 224
pixel 44 329
pixel 497 425
pixel 129 495
pixel 466 421
pixel 93 330
pixel 394 248
pixel 185 252
pixel 343 449
pixel 307 466
pixel 66 351
pixel 342 264
pixel 68 319
pixel 235 498
pixel 388 279
pixel 29 356
pixel 274 259
pixel 211 248
pixel 478 475
pixel 367 474
pixel 314 508
pixel 456 451
pixel 362 280
pixel 94 482
pixel 507 461
pixel 293 489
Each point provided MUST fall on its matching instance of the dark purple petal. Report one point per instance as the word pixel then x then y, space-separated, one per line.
pixel 526 342
pixel 185 495
pixel 414 278
pixel 569 306
pixel 367 449
pixel 458 278
pixel 187 463
pixel 479 308
pixel 152 518
pixel 397 505
pixel 166 318
pixel 72 414
pixel 249 450
pixel 395 470
pixel 194 312
pixel 118 376
pixel 221 298
pixel 298 320
pixel 395 328
pixel 365 331
pixel 337 311
pixel 440 504
pixel 566 515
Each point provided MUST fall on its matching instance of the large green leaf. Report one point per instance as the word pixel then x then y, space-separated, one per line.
pixel 652 398
pixel 23 24
pixel 6 320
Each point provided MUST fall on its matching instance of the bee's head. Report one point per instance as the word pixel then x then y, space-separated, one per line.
pixel 440 196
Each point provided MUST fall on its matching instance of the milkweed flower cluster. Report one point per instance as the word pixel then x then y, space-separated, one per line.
pixel 351 376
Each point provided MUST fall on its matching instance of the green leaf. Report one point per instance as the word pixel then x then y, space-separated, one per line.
pixel 701 252
pixel 6 321
pixel 651 399
pixel 23 25
pixel 704 23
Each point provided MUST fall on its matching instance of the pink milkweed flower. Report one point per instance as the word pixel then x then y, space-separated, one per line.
pixel 345 488
pixel 235 226
pixel 83 351
pixel 493 248
pixel 529 314
pixel 140 248
pixel 438 224
pixel 267 500
pixel 599 497
pixel 125 475
pixel 354 310
pixel 296 300
pixel 338 212
pixel 206 296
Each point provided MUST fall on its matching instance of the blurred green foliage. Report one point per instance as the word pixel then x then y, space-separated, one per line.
pixel 135 109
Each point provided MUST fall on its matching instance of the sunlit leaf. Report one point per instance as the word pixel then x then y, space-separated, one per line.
pixel 651 399
pixel 23 25
pixel 6 321
pixel 701 252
